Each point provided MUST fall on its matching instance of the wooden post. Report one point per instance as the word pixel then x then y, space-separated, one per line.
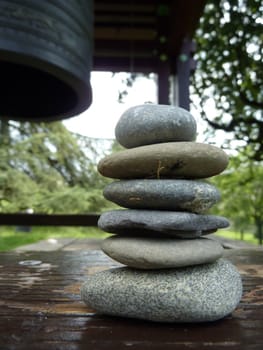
pixel 184 66
pixel 164 83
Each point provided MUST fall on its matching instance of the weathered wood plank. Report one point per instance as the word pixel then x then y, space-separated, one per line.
pixel 41 309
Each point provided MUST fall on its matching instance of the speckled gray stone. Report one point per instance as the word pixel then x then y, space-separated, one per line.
pixel 190 160
pixel 150 123
pixel 187 195
pixel 166 222
pixel 161 253
pixel 191 294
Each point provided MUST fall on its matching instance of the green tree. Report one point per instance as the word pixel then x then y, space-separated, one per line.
pixel 242 194
pixel 230 69
pixel 47 168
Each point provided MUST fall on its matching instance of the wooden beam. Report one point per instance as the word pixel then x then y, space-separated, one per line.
pixel 124 20
pixel 124 6
pixel 184 19
pixel 121 64
pixel 119 33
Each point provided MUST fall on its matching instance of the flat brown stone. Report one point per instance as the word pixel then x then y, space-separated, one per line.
pixel 189 160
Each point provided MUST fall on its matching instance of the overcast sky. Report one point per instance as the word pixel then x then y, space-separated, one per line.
pixel 100 119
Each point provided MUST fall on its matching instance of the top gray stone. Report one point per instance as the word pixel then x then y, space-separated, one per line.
pixel 150 123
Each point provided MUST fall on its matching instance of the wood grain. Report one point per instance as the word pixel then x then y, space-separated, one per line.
pixel 40 308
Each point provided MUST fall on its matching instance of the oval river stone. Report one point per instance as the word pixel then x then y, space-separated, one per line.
pixel 165 160
pixel 151 123
pixel 188 195
pixel 161 253
pixel 166 222
pixel 199 293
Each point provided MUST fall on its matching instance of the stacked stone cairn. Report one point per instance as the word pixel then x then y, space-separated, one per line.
pixel 173 273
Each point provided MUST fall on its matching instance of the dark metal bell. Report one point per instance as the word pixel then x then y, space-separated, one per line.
pixel 45 58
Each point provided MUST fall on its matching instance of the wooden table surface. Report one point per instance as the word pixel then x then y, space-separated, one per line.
pixel 41 308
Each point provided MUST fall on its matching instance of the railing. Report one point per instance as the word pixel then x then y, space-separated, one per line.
pixel 49 220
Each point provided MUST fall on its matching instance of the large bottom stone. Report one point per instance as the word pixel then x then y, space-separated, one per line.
pixel 193 294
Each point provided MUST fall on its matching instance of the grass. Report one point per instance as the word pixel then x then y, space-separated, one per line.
pixel 10 238
pixel 247 236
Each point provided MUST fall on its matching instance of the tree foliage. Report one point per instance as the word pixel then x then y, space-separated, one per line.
pixel 230 69
pixel 47 168
pixel 242 194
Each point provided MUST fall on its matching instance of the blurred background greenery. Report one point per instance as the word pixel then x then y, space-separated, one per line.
pixel 46 168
